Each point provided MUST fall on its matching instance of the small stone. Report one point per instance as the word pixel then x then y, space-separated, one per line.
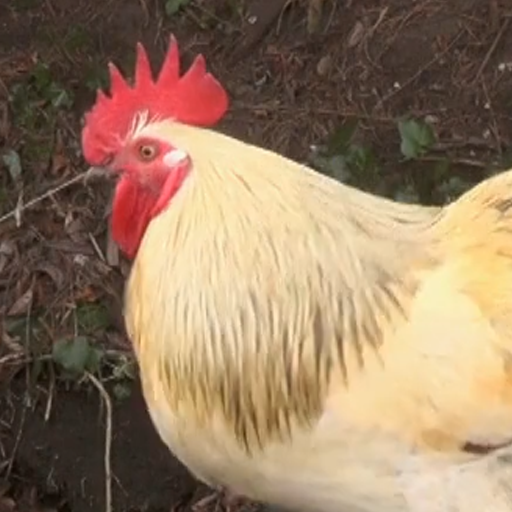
pixel 324 65
pixel 356 35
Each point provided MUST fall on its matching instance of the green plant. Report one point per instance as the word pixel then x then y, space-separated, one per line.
pixel 416 137
pixel 35 103
pixel 25 5
pixel 77 38
pixel 76 356
pixel 92 317
pixel 344 159
pixel 174 6
pixel 40 89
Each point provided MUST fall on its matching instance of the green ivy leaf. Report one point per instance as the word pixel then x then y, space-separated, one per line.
pixel 41 76
pixel 340 140
pixel 454 187
pixel 126 369
pixel 173 6
pixel 59 98
pixel 362 159
pixel 76 355
pixel 12 161
pixel 92 318
pixel 121 391
pixel 417 137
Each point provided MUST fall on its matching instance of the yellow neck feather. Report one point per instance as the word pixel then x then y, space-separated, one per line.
pixel 264 282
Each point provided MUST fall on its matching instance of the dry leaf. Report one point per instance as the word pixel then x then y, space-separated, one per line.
pixel 75 229
pixel 87 294
pixel 59 164
pixel 12 346
pixel 22 305
pixel 68 246
pixel 53 272
pixel 5 125
pixel 112 250
pixel 59 161
pixel 7 249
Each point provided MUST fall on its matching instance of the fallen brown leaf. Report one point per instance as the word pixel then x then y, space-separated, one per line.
pixel 88 294
pixel 60 163
pixel 52 271
pixel 12 347
pixel 112 250
pixel 22 305
pixel 7 249
pixel 5 125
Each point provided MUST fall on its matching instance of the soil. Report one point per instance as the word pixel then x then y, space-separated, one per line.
pixel 374 60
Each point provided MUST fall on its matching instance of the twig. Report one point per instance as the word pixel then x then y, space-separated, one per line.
pixel 28 332
pixel 210 14
pixel 92 172
pixel 308 111
pixel 331 16
pixel 145 10
pixel 21 358
pixel 17 441
pixel 376 25
pixel 370 33
pixel 403 20
pixel 112 249
pixel 418 73
pixel 49 402
pixel 50 8
pixel 457 161
pixel 96 247
pixel 11 358
pixel 489 53
pixel 462 143
pixel 108 440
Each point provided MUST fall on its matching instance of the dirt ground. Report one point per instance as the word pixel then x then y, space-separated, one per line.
pixel 448 62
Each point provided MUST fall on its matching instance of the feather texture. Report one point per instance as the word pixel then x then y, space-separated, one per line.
pixel 314 346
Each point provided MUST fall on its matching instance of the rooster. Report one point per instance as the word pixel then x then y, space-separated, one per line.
pixel 301 342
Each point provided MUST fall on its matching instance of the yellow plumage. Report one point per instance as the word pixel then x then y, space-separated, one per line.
pixel 310 345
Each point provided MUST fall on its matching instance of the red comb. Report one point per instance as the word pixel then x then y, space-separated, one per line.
pixel 195 98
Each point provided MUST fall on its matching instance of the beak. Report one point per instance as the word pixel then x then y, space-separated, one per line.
pixel 99 173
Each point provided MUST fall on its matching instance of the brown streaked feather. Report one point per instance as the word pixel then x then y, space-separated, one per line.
pixel 268 295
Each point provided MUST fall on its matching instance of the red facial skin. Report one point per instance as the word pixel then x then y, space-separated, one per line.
pixel 145 188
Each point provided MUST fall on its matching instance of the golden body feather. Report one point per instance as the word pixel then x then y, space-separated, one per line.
pixel 316 347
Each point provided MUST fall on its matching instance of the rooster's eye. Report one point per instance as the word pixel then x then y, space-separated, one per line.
pixel 147 152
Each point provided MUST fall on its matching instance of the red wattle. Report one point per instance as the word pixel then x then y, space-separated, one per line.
pixel 134 206
pixel 131 213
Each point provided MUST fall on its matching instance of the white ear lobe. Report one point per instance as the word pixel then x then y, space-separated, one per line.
pixel 174 157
